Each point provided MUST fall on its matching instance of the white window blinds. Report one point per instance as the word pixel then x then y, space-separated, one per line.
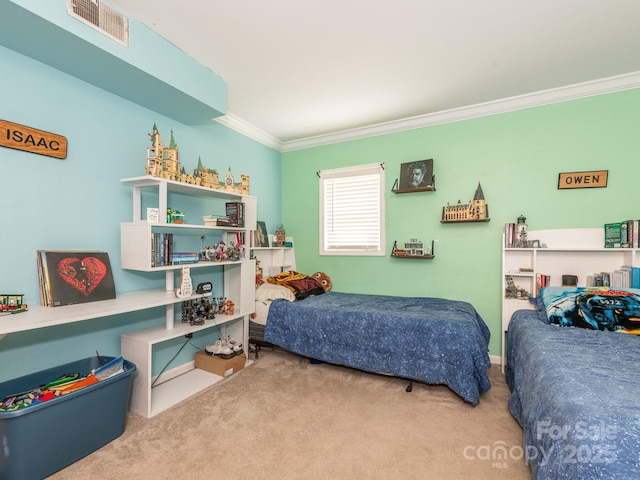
pixel 352 211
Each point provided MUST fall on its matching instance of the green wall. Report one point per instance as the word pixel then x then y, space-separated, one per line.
pixel 516 157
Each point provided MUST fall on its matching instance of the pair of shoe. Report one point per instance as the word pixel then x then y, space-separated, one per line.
pixel 225 348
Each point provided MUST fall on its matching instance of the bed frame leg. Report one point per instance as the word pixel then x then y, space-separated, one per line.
pixel 257 351
pixel 409 387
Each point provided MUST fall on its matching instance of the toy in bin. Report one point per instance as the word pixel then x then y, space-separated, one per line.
pixel 49 435
pixel 65 384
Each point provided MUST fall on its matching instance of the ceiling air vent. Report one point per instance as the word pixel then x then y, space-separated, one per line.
pixel 101 17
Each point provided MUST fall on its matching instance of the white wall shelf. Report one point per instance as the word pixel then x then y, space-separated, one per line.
pixel 42 317
pixel 577 252
pixel 274 260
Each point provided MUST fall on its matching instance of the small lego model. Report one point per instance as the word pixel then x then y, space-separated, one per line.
pixel 11 303
pixel 474 211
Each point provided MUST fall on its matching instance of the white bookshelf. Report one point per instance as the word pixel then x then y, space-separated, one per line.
pixel 274 260
pixel 239 286
pixel 577 252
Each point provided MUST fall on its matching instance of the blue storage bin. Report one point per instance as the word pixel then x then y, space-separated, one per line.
pixel 39 440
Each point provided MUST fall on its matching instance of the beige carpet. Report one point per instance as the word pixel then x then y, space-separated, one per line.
pixel 284 418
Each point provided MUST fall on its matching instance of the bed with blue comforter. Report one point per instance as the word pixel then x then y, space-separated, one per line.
pixel 576 390
pixel 432 340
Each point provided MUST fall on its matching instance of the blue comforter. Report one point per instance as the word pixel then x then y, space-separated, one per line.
pixel 427 339
pixel 575 393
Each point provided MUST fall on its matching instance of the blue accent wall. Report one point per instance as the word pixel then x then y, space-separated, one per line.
pixel 79 202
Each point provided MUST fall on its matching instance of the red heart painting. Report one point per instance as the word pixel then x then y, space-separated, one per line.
pixel 85 275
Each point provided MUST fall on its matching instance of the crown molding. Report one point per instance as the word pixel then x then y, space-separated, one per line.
pixel 546 97
pixel 245 128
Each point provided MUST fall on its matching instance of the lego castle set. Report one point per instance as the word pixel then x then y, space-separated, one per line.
pixel 163 162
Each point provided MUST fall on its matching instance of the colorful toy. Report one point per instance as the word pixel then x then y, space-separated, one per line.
pixel 11 303
pixel 474 211
pixel 175 216
pixel 229 307
pixel 323 279
pixel 163 162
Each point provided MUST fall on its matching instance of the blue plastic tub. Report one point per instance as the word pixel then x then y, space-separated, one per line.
pixel 39 440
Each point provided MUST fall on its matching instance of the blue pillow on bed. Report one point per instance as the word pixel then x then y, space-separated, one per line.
pixel 593 308
pixel 540 308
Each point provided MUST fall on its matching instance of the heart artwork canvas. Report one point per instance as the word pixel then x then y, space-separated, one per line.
pixel 70 277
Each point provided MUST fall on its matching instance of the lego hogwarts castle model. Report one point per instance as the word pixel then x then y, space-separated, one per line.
pixel 163 162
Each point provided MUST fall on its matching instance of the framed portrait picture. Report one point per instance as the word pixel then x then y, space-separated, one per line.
pixel 261 238
pixel 416 175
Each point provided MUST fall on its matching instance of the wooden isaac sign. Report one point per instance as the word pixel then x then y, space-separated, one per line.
pixel 31 140
pixel 597 178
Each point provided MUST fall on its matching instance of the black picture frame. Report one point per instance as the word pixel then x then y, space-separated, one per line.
pixel 261 238
pixel 416 176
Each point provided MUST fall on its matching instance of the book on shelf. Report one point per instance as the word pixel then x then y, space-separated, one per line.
pixel 602 279
pixel 234 238
pixel 162 253
pixel 225 222
pixel 235 213
pixel 69 277
pixel 542 281
pixel 212 220
pixel 161 249
pixel 635 277
pixel 612 235
pixel 178 258
pixel 624 234
pixel 509 235
pixel 626 276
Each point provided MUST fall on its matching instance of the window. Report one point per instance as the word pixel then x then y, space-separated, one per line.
pixel 352 211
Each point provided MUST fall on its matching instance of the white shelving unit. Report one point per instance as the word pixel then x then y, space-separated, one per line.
pixel 42 317
pixel 239 281
pixel 577 252
pixel 274 260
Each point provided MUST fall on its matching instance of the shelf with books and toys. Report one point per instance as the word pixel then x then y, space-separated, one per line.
pixel 563 257
pixel 151 246
pixel 275 259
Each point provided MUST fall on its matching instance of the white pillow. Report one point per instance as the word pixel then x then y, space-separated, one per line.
pixel 269 291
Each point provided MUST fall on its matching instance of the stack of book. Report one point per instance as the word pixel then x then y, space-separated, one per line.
pixel 235 214
pixel 542 281
pixel 509 235
pixel 212 220
pixel 179 258
pixel 625 277
pixel 162 253
pixel 621 234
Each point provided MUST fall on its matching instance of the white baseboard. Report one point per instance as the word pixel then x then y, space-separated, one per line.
pixel 495 359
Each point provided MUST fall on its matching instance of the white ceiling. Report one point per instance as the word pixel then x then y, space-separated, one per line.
pixel 301 68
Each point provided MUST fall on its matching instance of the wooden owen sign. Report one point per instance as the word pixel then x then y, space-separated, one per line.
pixel 31 140
pixel 594 179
